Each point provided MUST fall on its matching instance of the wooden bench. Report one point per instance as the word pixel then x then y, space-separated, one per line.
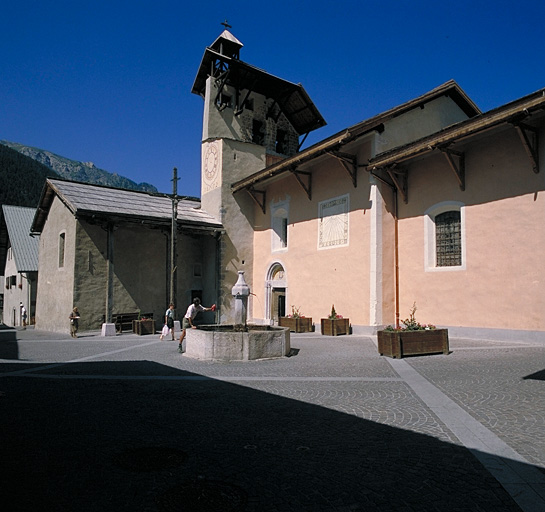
pixel 123 321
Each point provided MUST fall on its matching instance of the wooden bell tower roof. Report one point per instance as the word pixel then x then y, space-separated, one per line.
pixel 221 60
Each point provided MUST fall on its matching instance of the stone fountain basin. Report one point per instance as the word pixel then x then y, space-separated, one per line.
pixel 225 343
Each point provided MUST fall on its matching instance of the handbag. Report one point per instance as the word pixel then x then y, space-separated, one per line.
pixel 165 330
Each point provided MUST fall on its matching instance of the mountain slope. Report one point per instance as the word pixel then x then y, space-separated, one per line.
pixel 21 178
pixel 73 170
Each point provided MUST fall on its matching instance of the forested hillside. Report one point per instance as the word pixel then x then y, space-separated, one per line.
pixel 21 178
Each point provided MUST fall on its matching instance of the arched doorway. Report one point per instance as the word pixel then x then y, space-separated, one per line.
pixel 275 293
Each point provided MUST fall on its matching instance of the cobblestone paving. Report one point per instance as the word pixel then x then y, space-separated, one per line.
pixel 496 387
pixel 333 428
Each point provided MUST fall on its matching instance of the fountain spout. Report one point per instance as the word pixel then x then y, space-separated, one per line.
pixel 240 292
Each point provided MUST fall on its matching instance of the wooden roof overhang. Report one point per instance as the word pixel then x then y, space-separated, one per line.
pixel 292 98
pixel 332 146
pixel 516 114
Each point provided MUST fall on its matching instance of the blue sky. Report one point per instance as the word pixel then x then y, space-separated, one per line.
pixel 109 82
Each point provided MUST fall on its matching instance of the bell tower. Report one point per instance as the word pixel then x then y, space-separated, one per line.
pixel 251 120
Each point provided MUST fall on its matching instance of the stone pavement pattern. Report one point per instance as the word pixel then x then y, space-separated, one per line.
pixel 336 427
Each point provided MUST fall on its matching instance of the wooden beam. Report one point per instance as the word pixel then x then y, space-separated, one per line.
pixel 382 180
pixel 401 181
pixel 240 108
pixel 262 197
pixel 221 81
pixel 529 137
pixel 349 162
pixel 307 187
pixel 459 167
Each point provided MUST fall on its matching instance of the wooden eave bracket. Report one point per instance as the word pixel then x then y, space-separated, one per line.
pixel 381 179
pixel 301 176
pixel 302 141
pixel 401 181
pixel 456 161
pixel 259 196
pixel 349 162
pixel 529 137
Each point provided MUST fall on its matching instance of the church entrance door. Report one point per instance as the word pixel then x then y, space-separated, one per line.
pixel 276 293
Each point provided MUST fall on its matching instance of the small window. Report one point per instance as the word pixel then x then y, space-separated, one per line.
pixel 279 225
pixel 444 226
pixel 90 263
pixel 197 270
pixel 448 239
pixel 258 136
pixel 281 145
pixel 280 228
pixel 62 237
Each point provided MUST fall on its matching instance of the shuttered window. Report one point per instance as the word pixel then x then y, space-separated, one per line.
pixel 448 239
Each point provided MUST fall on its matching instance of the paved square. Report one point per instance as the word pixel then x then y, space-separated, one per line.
pixel 128 423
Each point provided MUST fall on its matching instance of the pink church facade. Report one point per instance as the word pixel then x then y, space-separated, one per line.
pixel 455 228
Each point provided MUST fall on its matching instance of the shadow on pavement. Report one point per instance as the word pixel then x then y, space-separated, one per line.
pixel 215 446
pixel 9 349
pixel 536 376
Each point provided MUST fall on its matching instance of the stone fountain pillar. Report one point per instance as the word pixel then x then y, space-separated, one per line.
pixel 240 292
pixel 239 342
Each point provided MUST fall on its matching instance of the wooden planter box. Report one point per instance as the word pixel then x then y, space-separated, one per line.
pixel 142 327
pixel 412 343
pixel 296 324
pixel 334 327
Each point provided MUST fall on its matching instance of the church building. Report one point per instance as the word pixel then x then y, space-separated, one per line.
pixel 432 204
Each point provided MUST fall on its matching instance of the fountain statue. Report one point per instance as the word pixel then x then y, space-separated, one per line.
pixel 240 292
pixel 241 341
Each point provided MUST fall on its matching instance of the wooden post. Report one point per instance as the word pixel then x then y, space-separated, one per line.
pixel 173 236
pixel 109 272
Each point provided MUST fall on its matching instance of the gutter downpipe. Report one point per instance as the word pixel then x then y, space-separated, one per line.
pixel 109 272
pixel 396 258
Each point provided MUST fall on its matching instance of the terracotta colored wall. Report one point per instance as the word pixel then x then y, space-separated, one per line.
pixel 317 278
pixel 502 284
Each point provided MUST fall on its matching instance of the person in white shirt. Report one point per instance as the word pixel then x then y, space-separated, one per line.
pixel 23 314
pixel 190 315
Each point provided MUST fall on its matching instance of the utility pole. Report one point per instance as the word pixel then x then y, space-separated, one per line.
pixel 173 236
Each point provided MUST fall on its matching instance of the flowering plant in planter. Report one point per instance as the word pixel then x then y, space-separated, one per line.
pixel 295 313
pixel 410 324
pixel 412 339
pixel 335 324
pixel 296 321
pixel 333 315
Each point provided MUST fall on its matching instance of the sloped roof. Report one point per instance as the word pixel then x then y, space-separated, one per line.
pixel 85 200
pixel 25 247
pixel 450 89
pixel 292 98
pixel 515 111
